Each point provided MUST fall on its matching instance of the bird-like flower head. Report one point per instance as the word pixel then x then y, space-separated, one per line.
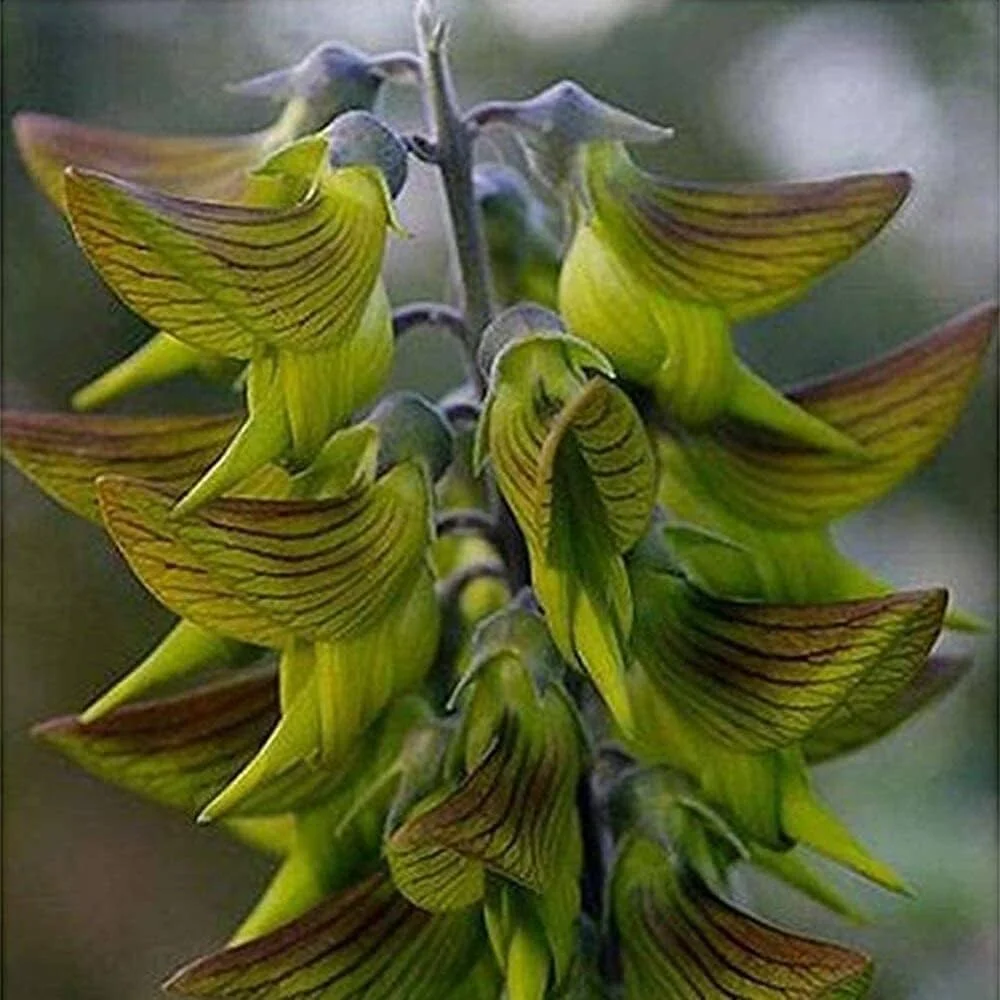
pixel 573 461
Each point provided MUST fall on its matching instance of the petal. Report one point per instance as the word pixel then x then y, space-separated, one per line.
pixel 235 279
pixel 65 454
pixel 762 676
pixel 363 941
pixel 511 813
pixel 870 721
pixel 265 571
pixel 616 453
pixel 748 249
pixel 179 751
pixel 332 694
pixel 209 167
pixel 900 408
pixel 678 938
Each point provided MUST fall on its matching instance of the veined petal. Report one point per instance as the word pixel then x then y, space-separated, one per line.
pixel 678 938
pixel 511 813
pixel 365 941
pixel 844 733
pixel 265 571
pixel 237 279
pixel 748 249
pixel 762 676
pixel 899 407
pixel 64 454
pixel 612 443
pixel 179 751
pixel 210 167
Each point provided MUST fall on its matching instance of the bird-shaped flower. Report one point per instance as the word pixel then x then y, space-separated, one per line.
pixel 340 585
pixel 777 502
pixel 494 822
pixel 572 459
pixel 733 694
pixel 288 283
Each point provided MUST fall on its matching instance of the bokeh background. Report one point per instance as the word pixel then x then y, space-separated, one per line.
pixel 104 894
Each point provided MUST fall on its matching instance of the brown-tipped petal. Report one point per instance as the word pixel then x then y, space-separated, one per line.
pixel 64 454
pixel 179 751
pixel 364 942
pixel 899 409
pixel 265 571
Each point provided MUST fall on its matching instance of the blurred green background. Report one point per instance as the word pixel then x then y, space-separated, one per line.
pixel 104 894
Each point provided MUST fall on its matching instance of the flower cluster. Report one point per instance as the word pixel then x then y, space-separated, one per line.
pixel 515 678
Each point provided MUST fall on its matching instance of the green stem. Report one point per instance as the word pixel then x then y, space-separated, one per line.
pixel 453 156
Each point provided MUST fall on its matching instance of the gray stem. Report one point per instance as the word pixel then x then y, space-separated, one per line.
pixel 453 148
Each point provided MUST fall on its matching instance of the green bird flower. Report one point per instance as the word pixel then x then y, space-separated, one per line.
pixel 572 459
pixel 341 586
pixel 657 273
pixel 494 822
pixel 313 324
pixel 732 693
pixel 327 82
pixel 776 502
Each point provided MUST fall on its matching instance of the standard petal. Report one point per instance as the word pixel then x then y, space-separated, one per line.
pixel 234 279
pixel 64 454
pixel 511 813
pixel 748 249
pixel 266 571
pixel 679 938
pixel 616 453
pixel 762 676
pixel 365 941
